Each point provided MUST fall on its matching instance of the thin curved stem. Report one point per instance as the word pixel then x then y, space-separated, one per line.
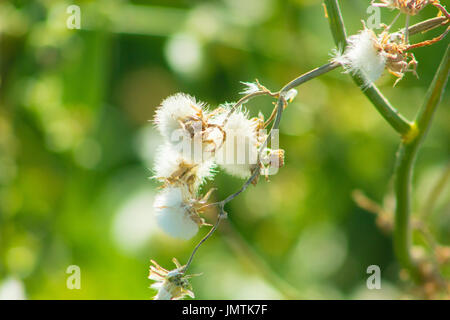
pixel 314 73
pixel 393 21
pixel 220 216
pixel 247 98
pixel 441 9
pixel 407 29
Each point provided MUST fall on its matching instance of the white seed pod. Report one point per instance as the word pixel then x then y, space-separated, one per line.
pixel 238 154
pixel 173 168
pixel 173 112
pixel 174 215
pixel 363 56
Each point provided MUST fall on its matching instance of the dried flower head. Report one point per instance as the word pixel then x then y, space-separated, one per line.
pixel 368 55
pixel 398 60
pixel 171 285
pixel 409 7
pixel 173 169
pixel 276 158
pixel 181 119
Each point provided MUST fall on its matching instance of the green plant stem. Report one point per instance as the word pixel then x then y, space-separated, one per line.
pixel 427 25
pixel 405 165
pixel 412 137
pixel 387 111
pixel 336 23
pixel 220 217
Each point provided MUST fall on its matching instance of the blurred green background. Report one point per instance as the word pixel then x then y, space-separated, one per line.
pixel 76 149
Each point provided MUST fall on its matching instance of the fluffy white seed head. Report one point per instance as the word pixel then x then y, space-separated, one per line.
pixel 167 161
pixel 174 111
pixel 363 56
pixel 171 166
pixel 238 154
pixel 174 215
pixel 242 171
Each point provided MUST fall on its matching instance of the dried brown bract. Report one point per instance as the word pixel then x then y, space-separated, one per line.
pixel 409 7
pixel 398 60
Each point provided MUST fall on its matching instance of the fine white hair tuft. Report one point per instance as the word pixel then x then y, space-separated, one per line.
pixel 173 110
pixel 250 87
pixel 363 56
pixel 173 214
pixel 170 163
pixel 238 154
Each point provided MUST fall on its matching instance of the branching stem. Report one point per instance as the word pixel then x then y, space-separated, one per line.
pixel 412 133
pixel 405 164
pixel 255 174
pixel 383 106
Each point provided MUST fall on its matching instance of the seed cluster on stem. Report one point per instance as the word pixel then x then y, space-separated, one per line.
pixel 199 140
